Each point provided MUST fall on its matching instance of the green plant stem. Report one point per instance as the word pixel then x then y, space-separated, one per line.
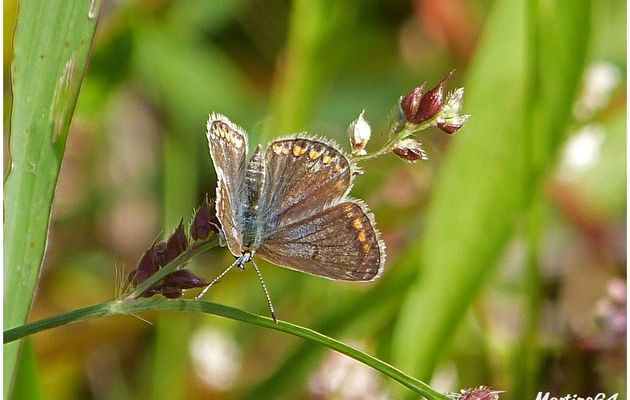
pixel 130 305
pixel 533 292
pixel 126 307
pixel 526 373
pixel 406 131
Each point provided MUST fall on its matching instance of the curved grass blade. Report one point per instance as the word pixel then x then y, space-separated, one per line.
pixel 122 307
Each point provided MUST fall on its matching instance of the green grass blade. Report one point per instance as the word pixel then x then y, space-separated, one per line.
pixel 52 41
pixel 158 304
pixel 27 386
pixel 475 198
pixel 555 62
pixel 316 29
pixel 172 331
pixel 493 171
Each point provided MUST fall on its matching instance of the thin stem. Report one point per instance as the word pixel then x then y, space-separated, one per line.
pixel 126 307
pixel 406 131
pixel 533 293
pixel 171 267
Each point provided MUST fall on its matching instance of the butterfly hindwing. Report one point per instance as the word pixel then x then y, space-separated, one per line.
pixel 338 242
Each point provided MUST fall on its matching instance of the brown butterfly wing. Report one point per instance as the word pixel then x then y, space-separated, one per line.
pixel 338 242
pixel 228 149
pixel 302 176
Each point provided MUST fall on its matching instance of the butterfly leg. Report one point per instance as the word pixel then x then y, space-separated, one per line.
pixel 222 239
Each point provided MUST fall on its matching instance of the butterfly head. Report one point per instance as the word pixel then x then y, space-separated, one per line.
pixel 244 259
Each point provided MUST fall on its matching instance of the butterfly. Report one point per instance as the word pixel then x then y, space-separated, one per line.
pixel 289 205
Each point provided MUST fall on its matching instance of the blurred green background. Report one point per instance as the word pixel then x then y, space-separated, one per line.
pixel 506 250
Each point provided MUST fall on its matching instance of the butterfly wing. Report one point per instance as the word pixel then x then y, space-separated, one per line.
pixel 302 176
pixel 339 242
pixel 228 149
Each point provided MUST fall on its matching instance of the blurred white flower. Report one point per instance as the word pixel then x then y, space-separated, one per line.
pixel 600 80
pixel 582 152
pixel 216 358
pixel 341 377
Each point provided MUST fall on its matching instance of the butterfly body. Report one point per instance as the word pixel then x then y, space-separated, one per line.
pixel 249 209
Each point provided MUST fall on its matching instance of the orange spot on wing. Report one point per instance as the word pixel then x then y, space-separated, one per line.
pixel 298 150
pixel 277 148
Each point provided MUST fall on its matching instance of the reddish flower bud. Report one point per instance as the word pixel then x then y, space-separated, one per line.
pixel 176 244
pixel 204 221
pixel 149 263
pixel 419 107
pixel 148 293
pixel 410 150
pixel 410 103
pixel 160 254
pixel 452 126
pixel 171 293
pixel 183 279
pixel 431 102
pixel 172 285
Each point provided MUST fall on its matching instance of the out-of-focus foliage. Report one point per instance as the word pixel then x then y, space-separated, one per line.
pixel 531 192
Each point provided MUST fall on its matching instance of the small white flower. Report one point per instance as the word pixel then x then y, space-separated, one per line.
pixel 359 133
pixel 453 104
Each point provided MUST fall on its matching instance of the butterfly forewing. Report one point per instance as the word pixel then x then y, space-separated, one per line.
pixel 302 176
pixel 228 149
pixel 339 242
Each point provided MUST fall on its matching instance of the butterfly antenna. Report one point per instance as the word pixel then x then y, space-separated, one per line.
pixel 273 313
pixel 215 280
